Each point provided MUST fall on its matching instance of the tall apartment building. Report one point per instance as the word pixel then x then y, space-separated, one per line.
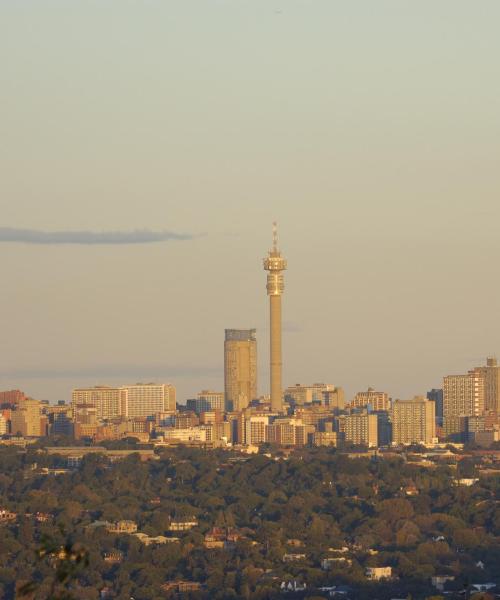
pixel 26 420
pixel 109 402
pixel 463 395
pixel 148 399
pixel 413 421
pixel 377 400
pixel 361 429
pixel 256 430
pixel 240 368
pixel 206 401
pixel 491 376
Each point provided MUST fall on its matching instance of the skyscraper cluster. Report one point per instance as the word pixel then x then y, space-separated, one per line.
pixel 466 409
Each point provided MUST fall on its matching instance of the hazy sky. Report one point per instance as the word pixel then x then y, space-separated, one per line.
pixel 369 130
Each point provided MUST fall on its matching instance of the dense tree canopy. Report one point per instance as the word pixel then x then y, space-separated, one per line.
pixel 312 504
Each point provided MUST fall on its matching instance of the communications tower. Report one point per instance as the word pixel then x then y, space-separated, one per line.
pixel 275 264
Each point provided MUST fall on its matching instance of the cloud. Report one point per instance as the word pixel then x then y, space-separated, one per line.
pixel 138 236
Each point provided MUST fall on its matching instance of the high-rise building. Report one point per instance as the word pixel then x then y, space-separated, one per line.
pixel 110 402
pixel 3 425
pixel 289 432
pixel 361 429
pixel 206 401
pixel 463 395
pixel 85 421
pixel 298 394
pixel 256 430
pixel 436 396
pixel 491 376
pixel 60 419
pixel 240 368
pixel 377 400
pixel 27 418
pixel 334 399
pixel 275 264
pixel 413 421
pixel 148 399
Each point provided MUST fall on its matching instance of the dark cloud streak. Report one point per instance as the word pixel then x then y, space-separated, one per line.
pixel 139 236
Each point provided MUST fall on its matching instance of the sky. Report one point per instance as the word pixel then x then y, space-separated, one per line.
pixel 146 147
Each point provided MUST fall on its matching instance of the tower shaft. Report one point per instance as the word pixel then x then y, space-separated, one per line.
pixel 275 353
pixel 275 264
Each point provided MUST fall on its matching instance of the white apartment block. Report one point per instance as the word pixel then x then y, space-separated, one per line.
pixel 139 400
pixel 146 399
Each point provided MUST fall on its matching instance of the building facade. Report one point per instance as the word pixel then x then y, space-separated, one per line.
pixel 147 399
pixel 491 377
pixel 377 400
pixel 240 368
pixel 110 403
pixel 463 395
pixel 413 421
pixel 207 401
pixel 361 429
pixel 26 420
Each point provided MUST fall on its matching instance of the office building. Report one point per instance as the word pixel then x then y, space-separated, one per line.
pixel 288 432
pixel 298 395
pixel 413 421
pixel 26 419
pixel 240 368
pixel 206 401
pixel 334 399
pixel 376 400
pixel 436 396
pixel 60 419
pixel 85 421
pixel 275 264
pixel 384 427
pixel 361 429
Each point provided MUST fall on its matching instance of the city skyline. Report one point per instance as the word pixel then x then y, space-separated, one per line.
pixel 374 151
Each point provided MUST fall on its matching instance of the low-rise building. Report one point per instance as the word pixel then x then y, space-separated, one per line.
pixel 123 526
pixel 291 557
pixel 183 524
pixel 378 573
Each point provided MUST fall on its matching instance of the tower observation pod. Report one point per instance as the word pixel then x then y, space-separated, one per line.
pixel 275 264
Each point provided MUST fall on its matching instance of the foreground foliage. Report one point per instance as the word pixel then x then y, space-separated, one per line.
pixel 386 512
